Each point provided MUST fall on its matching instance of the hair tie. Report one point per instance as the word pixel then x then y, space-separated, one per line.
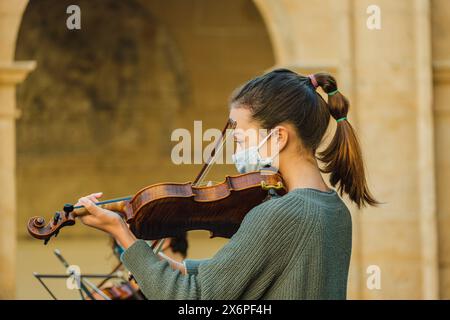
pixel 313 81
pixel 341 119
pixel 333 93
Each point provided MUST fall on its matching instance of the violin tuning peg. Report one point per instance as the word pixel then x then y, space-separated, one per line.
pixel 68 208
pixel 56 218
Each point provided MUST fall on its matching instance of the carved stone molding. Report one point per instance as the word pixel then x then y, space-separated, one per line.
pixel 12 73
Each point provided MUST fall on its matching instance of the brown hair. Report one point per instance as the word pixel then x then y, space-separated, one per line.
pixel 285 96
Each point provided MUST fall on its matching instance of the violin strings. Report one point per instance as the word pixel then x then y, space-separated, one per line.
pixel 210 162
pixel 213 159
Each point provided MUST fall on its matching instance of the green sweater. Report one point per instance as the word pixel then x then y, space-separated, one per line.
pixel 293 247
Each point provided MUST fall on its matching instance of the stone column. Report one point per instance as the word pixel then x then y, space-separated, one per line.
pixel 426 154
pixel 441 110
pixel 11 73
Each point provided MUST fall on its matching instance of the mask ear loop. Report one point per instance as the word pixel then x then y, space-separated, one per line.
pixel 266 138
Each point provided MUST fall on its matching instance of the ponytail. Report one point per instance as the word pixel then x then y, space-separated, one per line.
pixel 343 157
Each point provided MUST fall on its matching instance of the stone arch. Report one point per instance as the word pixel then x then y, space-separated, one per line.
pixel 100 106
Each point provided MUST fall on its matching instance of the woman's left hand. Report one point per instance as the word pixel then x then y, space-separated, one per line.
pixel 105 220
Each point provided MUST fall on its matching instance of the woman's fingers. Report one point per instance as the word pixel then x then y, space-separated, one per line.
pixel 90 206
pixel 102 219
pixel 93 197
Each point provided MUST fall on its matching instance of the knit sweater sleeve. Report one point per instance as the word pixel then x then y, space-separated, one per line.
pixel 244 267
pixel 192 265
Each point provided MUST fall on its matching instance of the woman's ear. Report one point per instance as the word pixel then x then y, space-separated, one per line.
pixel 282 136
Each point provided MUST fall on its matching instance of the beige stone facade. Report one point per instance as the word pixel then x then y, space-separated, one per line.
pixel 99 116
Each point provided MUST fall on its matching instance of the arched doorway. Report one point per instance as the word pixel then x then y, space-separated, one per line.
pixel 99 108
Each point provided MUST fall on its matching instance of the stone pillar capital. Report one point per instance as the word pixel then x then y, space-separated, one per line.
pixel 12 73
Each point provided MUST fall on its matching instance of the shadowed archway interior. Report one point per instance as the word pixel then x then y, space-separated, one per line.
pixel 99 110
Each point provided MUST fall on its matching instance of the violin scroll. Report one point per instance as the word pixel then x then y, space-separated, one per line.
pixel 38 229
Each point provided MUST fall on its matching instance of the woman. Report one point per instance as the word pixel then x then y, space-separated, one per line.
pixel 293 247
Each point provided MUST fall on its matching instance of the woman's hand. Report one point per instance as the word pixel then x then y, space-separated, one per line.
pixel 99 218
pixel 105 220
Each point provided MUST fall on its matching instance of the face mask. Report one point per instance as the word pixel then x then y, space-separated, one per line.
pixel 249 159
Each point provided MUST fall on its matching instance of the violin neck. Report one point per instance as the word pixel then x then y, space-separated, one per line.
pixel 117 205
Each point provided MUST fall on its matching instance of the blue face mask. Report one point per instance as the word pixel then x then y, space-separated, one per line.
pixel 250 159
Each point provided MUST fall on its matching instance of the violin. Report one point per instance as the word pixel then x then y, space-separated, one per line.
pixel 170 209
pixel 122 291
